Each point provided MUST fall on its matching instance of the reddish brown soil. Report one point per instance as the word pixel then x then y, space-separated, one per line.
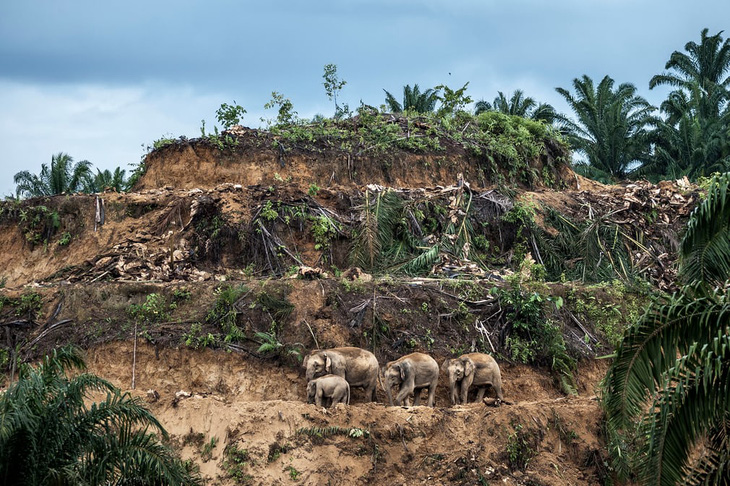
pixel 260 407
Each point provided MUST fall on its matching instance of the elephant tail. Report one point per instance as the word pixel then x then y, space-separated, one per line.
pixel 348 394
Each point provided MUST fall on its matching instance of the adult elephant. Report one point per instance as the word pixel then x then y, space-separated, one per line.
pixel 472 369
pixel 358 366
pixel 411 373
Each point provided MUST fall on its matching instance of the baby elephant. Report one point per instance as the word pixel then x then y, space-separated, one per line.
pixel 328 386
pixel 472 369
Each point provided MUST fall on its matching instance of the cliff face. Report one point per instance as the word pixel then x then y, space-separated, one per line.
pixel 257 157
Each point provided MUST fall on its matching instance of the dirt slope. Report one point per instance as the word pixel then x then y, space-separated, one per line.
pixel 251 405
pixel 201 221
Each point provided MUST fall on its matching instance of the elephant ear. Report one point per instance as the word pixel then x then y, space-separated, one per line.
pixel 306 360
pixel 468 367
pixel 404 370
pixel 445 364
pixel 327 364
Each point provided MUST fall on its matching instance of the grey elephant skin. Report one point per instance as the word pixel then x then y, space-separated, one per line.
pixel 472 369
pixel 326 387
pixel 411 373
pixel 358 366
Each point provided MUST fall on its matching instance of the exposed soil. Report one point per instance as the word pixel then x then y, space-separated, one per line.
pixel 255 406
pixel 191 228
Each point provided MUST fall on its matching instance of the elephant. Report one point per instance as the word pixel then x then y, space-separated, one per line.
pixel 358 366
pixel 476 369
pixel 412 372
pixel 328 386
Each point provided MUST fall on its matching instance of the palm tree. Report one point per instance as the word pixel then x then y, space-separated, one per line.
pixel 518 105
pixel 706 66
pixel 694 135
pixel 49 435
pixel 413 100
pixel 107 180
pixel 612 125
pixel 63 176
pixel 668 390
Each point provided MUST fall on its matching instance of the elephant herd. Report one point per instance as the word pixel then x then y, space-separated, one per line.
pixel 331 372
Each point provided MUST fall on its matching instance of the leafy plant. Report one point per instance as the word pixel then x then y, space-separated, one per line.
pixel 293 473
pixel 532 337
pixel 230 115
pixel 206 452
pixel 286 114
pixel 520 447
pixel 104 442
pixel 29 305
pixel 154 309
pixel 666 392
pixel 235 463
pixel 332 86
pixel 224 311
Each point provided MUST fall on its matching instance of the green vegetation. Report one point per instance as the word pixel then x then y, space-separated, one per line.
pixel 236 462
pixel 153 310
pixel 612 131
pixel 666 392
pixel 102 181
pixel 518 105
pixel 63 176
pixel 533 336
pixel 521 447
pixel 224 312
pixel 413 100
pixel 50 435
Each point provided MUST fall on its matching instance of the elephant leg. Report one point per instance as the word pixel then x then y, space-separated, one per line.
pixel 464 393
pixel 432 394
pixel 417 396
pixel 403 395
pixel 498 391
pixel 318 399
pixel 480 393
pixel 370 391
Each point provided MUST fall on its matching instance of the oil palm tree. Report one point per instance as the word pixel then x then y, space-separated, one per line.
pixel 413 100
pixel 612 126
pixel 102 180
pixel 519 105
pixel 705 66
pixel 50 435
pixel 63 176
pixel 668 390
pixel 694 134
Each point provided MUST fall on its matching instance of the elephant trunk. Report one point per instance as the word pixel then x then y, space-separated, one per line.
pixel 385 382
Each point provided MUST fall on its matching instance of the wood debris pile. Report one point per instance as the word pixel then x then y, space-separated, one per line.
pixel 651 216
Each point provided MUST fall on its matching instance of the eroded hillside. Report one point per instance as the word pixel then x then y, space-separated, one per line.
pixel 233 260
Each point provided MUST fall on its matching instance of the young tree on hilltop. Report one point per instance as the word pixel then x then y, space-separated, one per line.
pixel 63 176
pixel 668 389
pixel 612 127
pixel 413 100
pixel 50 435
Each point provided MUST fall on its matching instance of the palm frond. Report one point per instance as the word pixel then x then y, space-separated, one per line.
pixel 705 248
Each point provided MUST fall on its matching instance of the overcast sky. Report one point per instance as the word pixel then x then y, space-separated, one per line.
pixel 102 80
